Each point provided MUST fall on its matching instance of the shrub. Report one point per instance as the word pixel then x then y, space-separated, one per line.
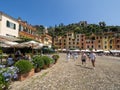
pixel 52 61
pixel 3 84
pixel 55 57
pixel 24 66
pixel 9 73
pixel 46 60
pixel 38 62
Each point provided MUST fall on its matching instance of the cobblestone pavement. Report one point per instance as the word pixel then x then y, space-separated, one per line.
pixel 72 75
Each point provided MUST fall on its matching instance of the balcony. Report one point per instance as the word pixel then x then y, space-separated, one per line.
pixel 25 34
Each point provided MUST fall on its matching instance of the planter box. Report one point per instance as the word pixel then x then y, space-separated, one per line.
pixel 45 67
pixel 51 65
pixel 55 61
pixel 26 75
pixel 37 70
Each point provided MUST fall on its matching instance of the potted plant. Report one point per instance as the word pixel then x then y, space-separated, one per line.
pixel 46 60
pixel 38 63
pixel 55 57
pixel 25 69
pixel 52 61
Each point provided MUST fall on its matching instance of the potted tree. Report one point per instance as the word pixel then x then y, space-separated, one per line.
pixel 55 57
pixel 46 60
pixel 38 63
pixel 25 69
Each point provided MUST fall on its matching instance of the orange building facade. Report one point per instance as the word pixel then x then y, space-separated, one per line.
pixel 107 41
pixel 26 30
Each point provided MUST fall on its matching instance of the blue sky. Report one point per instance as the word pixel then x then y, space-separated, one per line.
pixel 51 12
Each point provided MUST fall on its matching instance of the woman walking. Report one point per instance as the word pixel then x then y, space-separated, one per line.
pixel 68 56
pixel 83 58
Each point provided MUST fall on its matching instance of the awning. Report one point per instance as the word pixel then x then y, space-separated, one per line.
pixel 9 38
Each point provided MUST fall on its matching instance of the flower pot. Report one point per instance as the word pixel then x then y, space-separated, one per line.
pixel 55 61
pixel 48 65
pixel 45 67
pixel 51 65
pixel 26 75
pixel 37 70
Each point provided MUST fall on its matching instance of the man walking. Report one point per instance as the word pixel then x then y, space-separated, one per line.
pixel 92 57
pixel 83 58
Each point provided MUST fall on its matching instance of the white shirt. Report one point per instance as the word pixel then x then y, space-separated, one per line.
pixel 10 61
pixel 92 56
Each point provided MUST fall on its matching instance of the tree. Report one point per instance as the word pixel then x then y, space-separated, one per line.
pixel 40 29
pixel 102 24
pixel 51 31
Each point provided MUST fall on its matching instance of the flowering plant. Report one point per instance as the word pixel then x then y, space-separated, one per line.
pixel 9 72
pixel 3 83
pixel 6 75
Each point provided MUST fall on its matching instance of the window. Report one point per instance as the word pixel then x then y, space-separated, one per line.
pixel 92 46
pixel 110 47
pixel 105 42
pixel 20 28
pixel 92 42
pixel 82 47
pixel 99 41
pixel 118 46
pixel 98 46
pixel 10 25
pixel 87 46
pixel 82 36
pixel 105 47
pixel 110 41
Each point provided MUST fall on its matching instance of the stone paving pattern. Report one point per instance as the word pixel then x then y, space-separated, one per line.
pixel 72 75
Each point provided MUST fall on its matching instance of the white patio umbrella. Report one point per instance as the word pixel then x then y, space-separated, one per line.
pixel 4 45
pixel 39 46
pixel 10 43
pixel 31 44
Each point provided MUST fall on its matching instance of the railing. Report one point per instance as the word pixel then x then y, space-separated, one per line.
pixel 22 33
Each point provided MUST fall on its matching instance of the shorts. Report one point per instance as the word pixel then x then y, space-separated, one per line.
pixel 83 60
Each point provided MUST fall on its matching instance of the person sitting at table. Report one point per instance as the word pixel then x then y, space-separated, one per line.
pixel 10 60
pixel 18 55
